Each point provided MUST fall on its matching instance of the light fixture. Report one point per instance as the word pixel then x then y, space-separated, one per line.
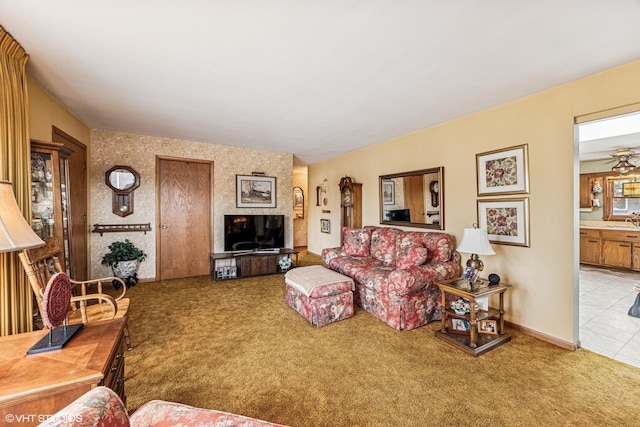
pixel 623 166
pixel 15 232
pixel 475 241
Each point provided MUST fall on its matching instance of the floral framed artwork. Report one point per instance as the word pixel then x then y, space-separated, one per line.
pixel 255 191
pixel 325 226
pixel 503 171
pixel 506 220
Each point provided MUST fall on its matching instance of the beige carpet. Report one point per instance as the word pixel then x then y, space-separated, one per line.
pixel 235 346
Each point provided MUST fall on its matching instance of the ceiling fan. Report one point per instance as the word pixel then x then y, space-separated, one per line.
pixel 622 157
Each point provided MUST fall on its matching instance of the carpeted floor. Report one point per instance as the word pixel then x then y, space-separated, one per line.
pixel 237 347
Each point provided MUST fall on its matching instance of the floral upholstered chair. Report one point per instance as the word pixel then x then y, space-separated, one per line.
pixel 101 407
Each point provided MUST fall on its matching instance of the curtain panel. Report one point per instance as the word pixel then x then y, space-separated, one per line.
pixel 16 300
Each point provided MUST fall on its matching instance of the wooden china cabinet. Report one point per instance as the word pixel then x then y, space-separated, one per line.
pixel 350 203
pixel 49 202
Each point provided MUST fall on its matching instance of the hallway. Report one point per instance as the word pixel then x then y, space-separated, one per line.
pixel 605 326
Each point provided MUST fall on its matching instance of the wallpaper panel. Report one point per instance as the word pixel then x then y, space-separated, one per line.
pixel 110 148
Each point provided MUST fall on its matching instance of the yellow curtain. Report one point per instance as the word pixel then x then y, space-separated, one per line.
pixel 16 303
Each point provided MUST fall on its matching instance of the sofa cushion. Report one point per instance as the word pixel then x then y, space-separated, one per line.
pixel 441 247
pixel 383 244
pixel 356 241
pixel 414 254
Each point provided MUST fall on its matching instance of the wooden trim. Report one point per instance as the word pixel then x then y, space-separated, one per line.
pixel 603 114
pixel 543 337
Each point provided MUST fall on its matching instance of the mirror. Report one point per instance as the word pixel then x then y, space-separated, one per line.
pixel 413 199
pixel 298 203
pixel 122 180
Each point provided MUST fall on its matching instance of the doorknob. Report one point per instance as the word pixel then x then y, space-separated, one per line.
pixel 163 226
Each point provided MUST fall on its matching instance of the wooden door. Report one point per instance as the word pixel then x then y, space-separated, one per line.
pixel 184 230
pixel 414 198
pixel 76 229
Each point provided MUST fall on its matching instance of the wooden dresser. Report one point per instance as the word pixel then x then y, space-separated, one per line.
pixel 37 386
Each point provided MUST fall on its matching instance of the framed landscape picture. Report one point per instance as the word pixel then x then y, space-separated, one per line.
pixel 255 191
pixel 504 171
pixel 506 220
pixel 389 192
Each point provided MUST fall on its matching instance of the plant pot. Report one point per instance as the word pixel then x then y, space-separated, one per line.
pixel 127 271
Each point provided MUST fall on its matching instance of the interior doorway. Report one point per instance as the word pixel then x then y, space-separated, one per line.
pixel 184 231
pixel 73 165
pixel 609 145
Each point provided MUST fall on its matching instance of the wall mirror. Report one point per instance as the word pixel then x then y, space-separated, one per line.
pixel 413 199
pixel 298 203
pixel 122 180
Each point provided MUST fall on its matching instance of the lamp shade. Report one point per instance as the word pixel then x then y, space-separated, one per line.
pixel 475 241
pixel 15 232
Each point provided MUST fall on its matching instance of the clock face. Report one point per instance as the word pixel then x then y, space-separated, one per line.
pixel 346 197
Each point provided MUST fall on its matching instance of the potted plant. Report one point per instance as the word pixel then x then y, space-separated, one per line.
pixel 124 258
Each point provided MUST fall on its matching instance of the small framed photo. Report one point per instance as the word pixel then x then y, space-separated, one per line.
pixel 470 274
pixel 506 220
pixel 255 191
pixel 459 326
pixel 503 171
pixel 325 226
pixel 488 327
pixel 389 192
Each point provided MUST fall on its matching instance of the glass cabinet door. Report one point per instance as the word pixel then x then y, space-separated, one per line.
pixel 46 206
pixel 42 195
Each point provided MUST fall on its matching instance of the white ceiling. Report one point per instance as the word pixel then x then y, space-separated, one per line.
pixel 315 78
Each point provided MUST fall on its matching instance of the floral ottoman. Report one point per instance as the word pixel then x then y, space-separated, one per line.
pixel 320 295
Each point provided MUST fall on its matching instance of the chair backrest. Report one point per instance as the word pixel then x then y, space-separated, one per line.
pixel 40 264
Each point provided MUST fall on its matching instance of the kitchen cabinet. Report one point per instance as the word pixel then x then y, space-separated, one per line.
pixel 590 246
pixel 610 248
pixel 585 190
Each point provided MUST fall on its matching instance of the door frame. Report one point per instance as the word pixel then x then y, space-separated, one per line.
pixel 211 207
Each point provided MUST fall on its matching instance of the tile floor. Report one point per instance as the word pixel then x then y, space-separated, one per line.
pixel 605 325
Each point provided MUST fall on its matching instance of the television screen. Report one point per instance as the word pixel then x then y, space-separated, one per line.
pixel 249 232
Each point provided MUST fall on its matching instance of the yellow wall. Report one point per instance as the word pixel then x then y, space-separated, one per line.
pixel 544 275
pixel 45 112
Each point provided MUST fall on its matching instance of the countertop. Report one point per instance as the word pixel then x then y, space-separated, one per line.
pixel 609 225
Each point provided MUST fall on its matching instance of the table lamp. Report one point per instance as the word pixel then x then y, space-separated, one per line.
pixel 15 233
pixel 475 241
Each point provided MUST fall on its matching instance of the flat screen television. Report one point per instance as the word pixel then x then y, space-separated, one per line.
pixel 253 232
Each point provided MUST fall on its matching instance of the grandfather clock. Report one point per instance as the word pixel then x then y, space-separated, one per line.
pixel 350 203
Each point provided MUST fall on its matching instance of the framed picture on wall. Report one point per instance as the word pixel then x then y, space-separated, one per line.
pixel 506 220
pixel 255 191
pixel 503 171
pixel 389 192
pixel 325 226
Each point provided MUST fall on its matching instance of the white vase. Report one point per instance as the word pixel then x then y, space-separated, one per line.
pixel 125 269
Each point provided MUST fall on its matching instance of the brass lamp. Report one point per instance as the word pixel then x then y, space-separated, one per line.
pixel 475 241
pixel 15 233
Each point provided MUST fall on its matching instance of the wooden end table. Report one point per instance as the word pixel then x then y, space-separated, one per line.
pixel 477 331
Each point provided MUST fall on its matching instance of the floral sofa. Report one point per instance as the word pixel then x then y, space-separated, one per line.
pixel 101 406
pixel 395 271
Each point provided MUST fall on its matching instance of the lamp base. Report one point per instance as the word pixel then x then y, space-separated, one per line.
pixel 55 339
pixel 475 263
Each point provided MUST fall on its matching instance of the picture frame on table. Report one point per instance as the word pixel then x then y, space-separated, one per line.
pixel 506 220
pixel 459 326
pixel 503 171
pixel 389 192
pixel 325 226
pixel 488 326
pixel 255 191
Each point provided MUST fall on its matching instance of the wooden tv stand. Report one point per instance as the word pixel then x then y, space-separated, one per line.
pixel 236 265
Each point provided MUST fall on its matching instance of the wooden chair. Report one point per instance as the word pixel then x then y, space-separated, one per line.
pixel 43 262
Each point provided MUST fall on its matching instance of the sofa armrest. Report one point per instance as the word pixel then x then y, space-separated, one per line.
pixel 98 407
pixel 414 278
pixel 163 413
pixel 330 253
